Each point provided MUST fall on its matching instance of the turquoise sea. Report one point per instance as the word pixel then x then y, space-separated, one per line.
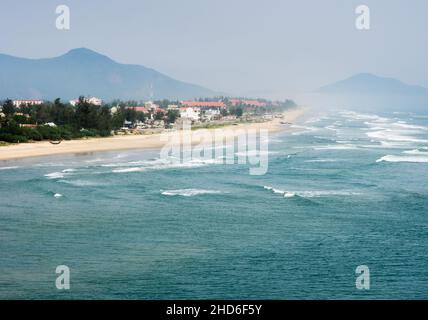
pixel 343 189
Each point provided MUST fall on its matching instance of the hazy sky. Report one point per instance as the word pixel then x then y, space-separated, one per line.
pixel 257 48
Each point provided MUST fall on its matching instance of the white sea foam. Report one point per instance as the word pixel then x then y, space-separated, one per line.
pixel 189 192
pixel 151 162
pixel 9 168
pixel 361 116
pixel 304 129
pixel 94 160
pixel 81 183
pixel 313 120
pixel 400 112
pixel 110 165
pixel 311 193
pixel 50 164
pixel 289 194
pixel 60 174
pixel 255 153
pixel 55 175
pixel 332 128
pixel 385 145
pixel 324 193
pixel 324 138
pixel 188 165
pixel 274 190
pixel 417 152
pixel 395 158
pixel 57 195
pixel 321 160
pixel 395 145
pixel 372 127
pixel 337 147
pixel 403 124
pixel 395 135
pixel 296 126
pixel 161 164
pixel 135 169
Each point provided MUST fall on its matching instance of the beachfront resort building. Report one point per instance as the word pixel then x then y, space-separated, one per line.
pixel 202 110
pixel 150 105
pixel 190 113
pixel 18 103
pixel 92 100
pixel 139 109
pixel 204 104
pixel 210 115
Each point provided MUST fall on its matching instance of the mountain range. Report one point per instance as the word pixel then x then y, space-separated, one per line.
pixel 370 84
pixel 86 72
pixel 368 92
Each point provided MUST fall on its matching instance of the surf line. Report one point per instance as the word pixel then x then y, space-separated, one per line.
pixel 219 146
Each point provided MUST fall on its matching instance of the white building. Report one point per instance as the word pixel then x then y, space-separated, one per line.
pixel 92 100
pixel 18 103
pixel 150 105
pixel 96 101
pixel 114 110
pixel 172 107
pixel 190 113
pixel 211 114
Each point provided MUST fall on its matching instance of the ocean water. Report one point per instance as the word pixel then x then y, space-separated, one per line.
pixel 343 189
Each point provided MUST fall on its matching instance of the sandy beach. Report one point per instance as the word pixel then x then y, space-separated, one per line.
pixel 45 148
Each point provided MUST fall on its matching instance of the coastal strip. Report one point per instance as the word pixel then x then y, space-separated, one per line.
pixel 128 142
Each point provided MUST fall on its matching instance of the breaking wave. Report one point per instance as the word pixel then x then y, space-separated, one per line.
pixel 55 175
pixel 398 158
pixel 189 192
pixel 81 183
pixel 311 193
pixel 9 168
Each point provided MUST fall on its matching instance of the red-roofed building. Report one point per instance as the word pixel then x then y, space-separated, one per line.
pixel 203 104
pixel 147 110
pixel 92 100
pixel 139 109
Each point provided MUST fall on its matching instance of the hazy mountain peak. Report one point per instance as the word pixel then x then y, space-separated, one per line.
pixel 370 84
pixel 85 54
pixel 82 71
pixel 83 50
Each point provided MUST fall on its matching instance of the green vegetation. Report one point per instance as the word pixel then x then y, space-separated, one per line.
pixel 172 115
pixel 216 125
pixel 3 144
pixel 57 121
pixel 236 111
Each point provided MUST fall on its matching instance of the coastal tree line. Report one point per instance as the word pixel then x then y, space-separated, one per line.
pixel 57 120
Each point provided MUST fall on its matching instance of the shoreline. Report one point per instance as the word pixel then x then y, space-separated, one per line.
pixel 129 142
